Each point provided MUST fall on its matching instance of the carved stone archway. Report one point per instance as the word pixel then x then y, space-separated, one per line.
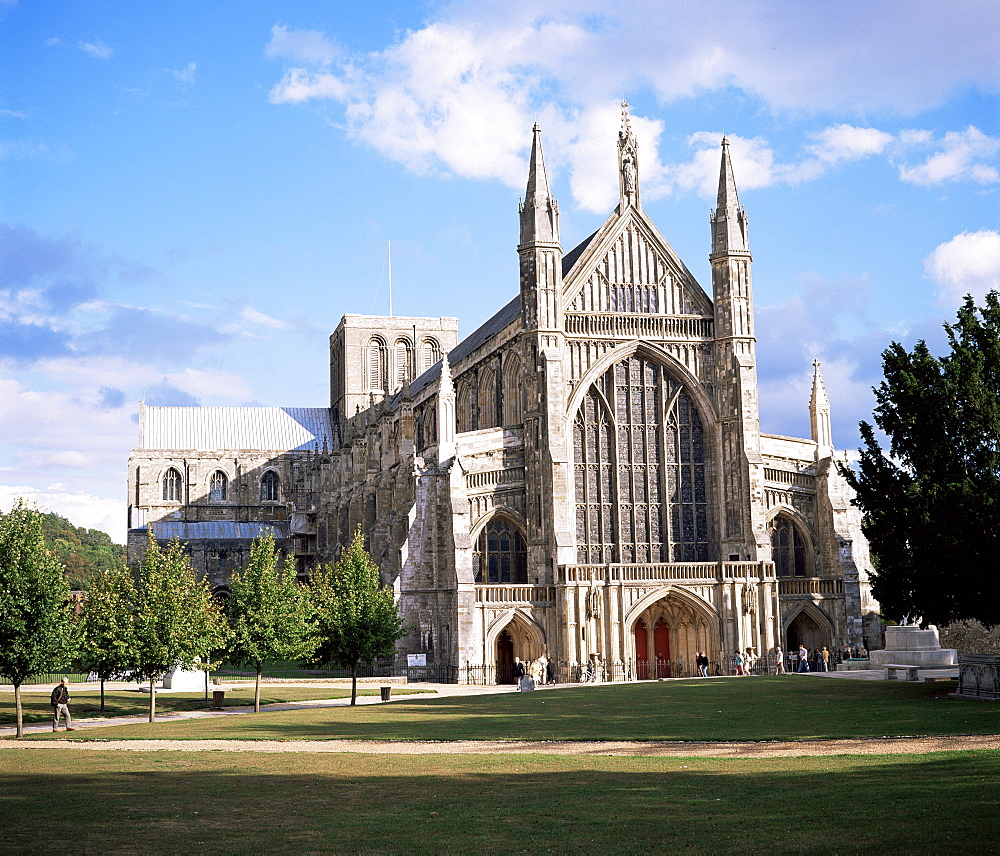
pixel 667 634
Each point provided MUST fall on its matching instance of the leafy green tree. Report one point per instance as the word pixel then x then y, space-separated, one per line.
pixel 36 619
pixel 176 619
pixel 107 625
pixel 356 617
pixel 931 506
pixel 268 611
pixel 83 552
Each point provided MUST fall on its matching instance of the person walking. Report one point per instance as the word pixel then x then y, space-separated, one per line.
pixel 518 672
pixel 738 663
pixel 701 661
pixel 543 670
pixel 60 705
pixel 779 660
pixel 826 659
pixel 803 659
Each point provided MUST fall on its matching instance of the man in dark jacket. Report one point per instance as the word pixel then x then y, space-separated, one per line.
pixel 60 705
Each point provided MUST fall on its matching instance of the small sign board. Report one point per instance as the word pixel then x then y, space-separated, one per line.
pixel 416 660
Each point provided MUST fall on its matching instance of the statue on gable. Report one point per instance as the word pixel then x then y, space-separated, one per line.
pixel 627 160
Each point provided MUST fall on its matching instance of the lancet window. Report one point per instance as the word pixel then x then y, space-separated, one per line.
pixel 788 549
pixel 269 486
pixel 172 485
pixel 500 555
pixel 218 486
pixel 401 351
pixel 640 456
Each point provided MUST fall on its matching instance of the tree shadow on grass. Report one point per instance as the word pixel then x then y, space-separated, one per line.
pixel 222 802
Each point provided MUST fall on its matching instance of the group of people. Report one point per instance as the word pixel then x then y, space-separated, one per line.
pixel 540 671
pixel 802 660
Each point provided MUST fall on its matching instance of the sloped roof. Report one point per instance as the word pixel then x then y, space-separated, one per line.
pixel 216 530
pixel 253 428
pixel 493 325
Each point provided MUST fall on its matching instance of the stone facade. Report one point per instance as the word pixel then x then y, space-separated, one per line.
pixel 583 476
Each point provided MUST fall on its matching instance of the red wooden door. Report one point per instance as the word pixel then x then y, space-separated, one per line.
pixel 661 648
pixel 641 651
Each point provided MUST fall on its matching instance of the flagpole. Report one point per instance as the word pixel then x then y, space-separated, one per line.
pixel 388 255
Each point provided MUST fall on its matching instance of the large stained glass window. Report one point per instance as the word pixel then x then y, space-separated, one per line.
pixel 788 549
pixel 500 555
pixel 639 452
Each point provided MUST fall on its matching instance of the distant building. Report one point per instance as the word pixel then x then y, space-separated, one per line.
pixel 583 475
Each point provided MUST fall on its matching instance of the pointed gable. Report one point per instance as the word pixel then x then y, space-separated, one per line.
pixel 627 267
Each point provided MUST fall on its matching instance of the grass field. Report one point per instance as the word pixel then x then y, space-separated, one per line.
pixel 216 802
pixel 86 704
pixel 765 708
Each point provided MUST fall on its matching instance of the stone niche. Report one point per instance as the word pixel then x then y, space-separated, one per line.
pixel 908 645
pixel 979 677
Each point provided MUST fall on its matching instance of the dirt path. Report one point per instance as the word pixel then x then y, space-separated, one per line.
pixel 878 746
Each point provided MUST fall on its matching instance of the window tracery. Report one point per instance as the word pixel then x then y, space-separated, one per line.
pixel 788 549
pixel 269 486
pixel 500 555
pixel 639 456
pixel 172 485
pixel 218 486
pixel 377 365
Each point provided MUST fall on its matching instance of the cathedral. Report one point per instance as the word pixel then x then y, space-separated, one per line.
pixel 584 476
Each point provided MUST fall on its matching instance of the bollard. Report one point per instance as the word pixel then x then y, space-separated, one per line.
pixel 386 693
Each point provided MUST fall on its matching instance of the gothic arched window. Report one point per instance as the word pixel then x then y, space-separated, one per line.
pixel 269 486
pixel 512 392
pixel 788 549
pixel 172 485
pixel 487 398
pixel 500 555
pixel 218 486
pixel 640 458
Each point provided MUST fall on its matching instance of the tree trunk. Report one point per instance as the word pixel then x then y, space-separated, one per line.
pixel 256 690
pixel 354 683
pixel 152 699
pixel 102 695
pixel 20 714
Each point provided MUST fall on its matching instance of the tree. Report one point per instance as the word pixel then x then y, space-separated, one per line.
pixel 176 619
pixel 357 619
pixel 268 612
pixel 930 506
pixel 107 625
pixel 36 619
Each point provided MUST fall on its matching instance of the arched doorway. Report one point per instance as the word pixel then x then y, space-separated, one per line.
pixel 504 658
pixel 667 635
pixel 805 629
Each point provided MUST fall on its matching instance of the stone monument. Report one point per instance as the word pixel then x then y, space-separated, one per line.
pixel 908 645
pixel 979 677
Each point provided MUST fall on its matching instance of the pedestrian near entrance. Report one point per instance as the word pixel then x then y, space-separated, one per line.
pixel 826 659
pixel 803 659
pixel 701 661
pixel 543 670
pixel 60 705
pixel 518 672
pixel 779 661
pixel 738 663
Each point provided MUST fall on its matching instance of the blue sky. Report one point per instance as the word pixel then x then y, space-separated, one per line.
pixel 192 194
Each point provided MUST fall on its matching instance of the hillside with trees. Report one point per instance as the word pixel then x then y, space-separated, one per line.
pixel 81 551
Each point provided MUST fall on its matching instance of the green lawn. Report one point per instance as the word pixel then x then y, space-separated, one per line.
pixel 87 703
pixel 765 708
pixel 217 802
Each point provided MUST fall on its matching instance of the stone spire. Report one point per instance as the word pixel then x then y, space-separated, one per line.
pixel 729 221
pixel 445 413
pixel 539 210
pixel 819 416
pixel 628 163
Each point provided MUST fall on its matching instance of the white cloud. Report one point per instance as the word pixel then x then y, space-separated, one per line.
pixel 967 264
pixel 96 49
pixel 308 46
pixel 963 156
pixel 249 323
pixel 300 84
pixel 841 143
pixel 186 75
